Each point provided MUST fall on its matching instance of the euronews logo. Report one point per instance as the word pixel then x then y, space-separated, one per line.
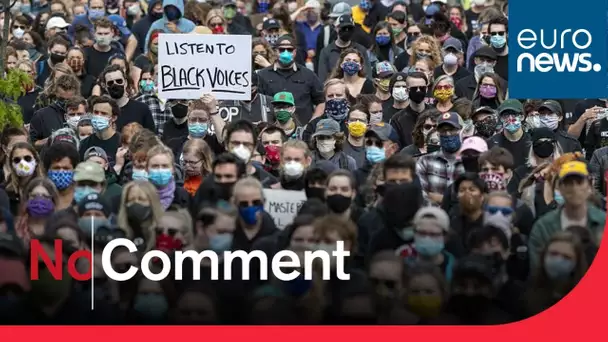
pixel 563 51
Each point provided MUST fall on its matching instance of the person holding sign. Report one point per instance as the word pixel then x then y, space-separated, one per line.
pixel 284 108
pixel 173 20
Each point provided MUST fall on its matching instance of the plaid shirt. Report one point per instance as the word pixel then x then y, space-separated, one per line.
pixel 160 114
pixel 436 172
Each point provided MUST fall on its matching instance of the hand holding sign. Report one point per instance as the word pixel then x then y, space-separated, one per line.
pixel 210 103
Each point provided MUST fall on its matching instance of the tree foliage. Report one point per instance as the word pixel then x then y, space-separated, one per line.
pixel 11 88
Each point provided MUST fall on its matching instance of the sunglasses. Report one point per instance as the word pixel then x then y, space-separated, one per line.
pixel 373 142
pixel 17 160
pixel 504 210
pixel 285 49
pixel 119 81
pixel 245 204
pixel 19 27
pixel 501 33
pixel 414 34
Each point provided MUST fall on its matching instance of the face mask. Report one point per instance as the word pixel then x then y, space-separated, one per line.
pixel 283 115
pixel 498 42
pixel 483 68
pixel 424 306
pixel 229 13
pixel 338 203
pixel 172 13
pixel 116 91
pixel 400 94
pixel 337 109
pixel 273 155
pixel 61 178
pixel 365 5
pixel 543 149
pixel 26 9
pixel 557 267
pixel 138 212
pixel 46 289
pixel 57 58
pixel 293 169
pixel 271 39
pixel 512 124
pixel 100 123
pixel 133 10
pixel 40 207
pixel 396 31
pixel 487 91
pixel 96 13
pixel 533 121
pixel 250 214
pixel 550 121
pixel 374 154
pixel 18 33
pixel 357 129
pixel 220 243
pixel 160 177
pixel 557 196
pixel 179 110
pixel 167 243
pixel 470 163
pixel 81 192
pixel 383 40
pixel 263 6
pixel 76 64
pixel 422 55
pixel 450 143
pixel 72 121
pixel 428 246
pixel 139 174
pixel 498 219
pixel 90 224
pixel 457 22
pixel 346 35
pixel 326 146
pixel 147 87
pixel 450 59
pixel 417 94
pixel 351 68
pixel 242 152
pixel 154 49
pixel 103 41
pixel 24 168
pixel 494 180
pixel 375 118
pixel 151 306
pixel 311 17
pixel 197 130
pixel 286 58
pixel 443 94
pixel 383 85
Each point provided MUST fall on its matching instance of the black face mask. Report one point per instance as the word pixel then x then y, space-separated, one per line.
pixel 543 149
pixel 417 94
pixel 401 202
pixel 381 189
pixel 138 213
pixel 338 203
pixel 223 191
pixel 116 91
pixel 179 111
pixel 345 35
pixel 57 58
pixel 155 15
pixel 470 163
pixel 432 148
pixel 315 193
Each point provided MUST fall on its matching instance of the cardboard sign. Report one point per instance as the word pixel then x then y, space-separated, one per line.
pixel 283 205
pixel 190 65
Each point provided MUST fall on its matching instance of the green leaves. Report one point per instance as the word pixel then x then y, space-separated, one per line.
pixel 11 88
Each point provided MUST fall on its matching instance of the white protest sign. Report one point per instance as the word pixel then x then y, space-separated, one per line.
pixel 283 205
pixel 190 65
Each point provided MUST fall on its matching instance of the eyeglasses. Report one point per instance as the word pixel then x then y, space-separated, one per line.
pixel 17 160
pixel 504 210
pixel 374 142
pixel 119 81
pixel 245 204
pixel 191 162
pixel 500 33
pixel 414 34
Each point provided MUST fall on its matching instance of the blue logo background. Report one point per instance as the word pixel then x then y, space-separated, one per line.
pixel 550 15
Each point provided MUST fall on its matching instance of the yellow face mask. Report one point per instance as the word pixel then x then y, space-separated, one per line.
pixel 383 84
pixel 443 94
pixel 424 306
pixel 357 129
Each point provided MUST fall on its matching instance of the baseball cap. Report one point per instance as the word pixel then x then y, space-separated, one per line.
pixel 511 105
pixel 431 10
pixel 94 201
pixel 383 70
pixel 281 40
pixel 433 214
pixel 327 127
pixel 483 110
pixel 120 23
pixel 552 106
pixel 339 9
pixel 474 143
pixel 284 97
pixel 542 133
pixel 313 4
pixel 95 151
pixel 56 22
pixel 345 20
pixel 451 119
pixel 452 43
pixel 382 131
pixel 270 24
pixel 573 168
pixel 487 52
pixel 89 171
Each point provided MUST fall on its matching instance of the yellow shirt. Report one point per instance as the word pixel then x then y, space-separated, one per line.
pixel 359 17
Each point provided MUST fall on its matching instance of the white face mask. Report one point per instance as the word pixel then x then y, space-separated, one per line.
pixel 242 152
pixel 72 121
pixel 533 121
pixel 326 146
pixel 375 118
pixel 400 94
pixel 293 169
pixel 24 168
pixel 18 33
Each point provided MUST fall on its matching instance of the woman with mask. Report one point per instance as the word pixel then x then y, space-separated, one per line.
pixel 196 158
pixel 459 20
pixel 340 192
pixel 25 165
pixel 75 59
pixel 139 211
pixel 350 70
pixel 263 55
pixel 161 173
pixel 372 105
pixel 425 124
pixel 384 47
pixel 426 292
pixel 327 145
pixel 403 60
pixel 425 47
pixel 39 199
pixel 443 92
pixel 147 60
pixel 489 92
pixel 563 265
pixel 8 139
pixel 216 22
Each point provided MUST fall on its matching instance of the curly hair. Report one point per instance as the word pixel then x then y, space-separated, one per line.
pixel 270 53
pixel 418 137
pixel 434 46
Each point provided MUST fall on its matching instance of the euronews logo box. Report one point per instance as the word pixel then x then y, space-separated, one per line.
pixel 558 50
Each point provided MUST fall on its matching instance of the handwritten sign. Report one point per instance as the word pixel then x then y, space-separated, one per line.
pixel 192 64
pixel 283 205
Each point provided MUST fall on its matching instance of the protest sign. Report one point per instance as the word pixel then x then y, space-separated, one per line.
pixel 283 205
pixel 190 65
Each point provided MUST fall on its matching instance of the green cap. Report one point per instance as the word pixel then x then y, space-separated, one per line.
pixel 511 105
pixel 284 97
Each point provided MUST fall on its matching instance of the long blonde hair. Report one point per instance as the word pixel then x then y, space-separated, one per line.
pixel 203 152
pixel 157 210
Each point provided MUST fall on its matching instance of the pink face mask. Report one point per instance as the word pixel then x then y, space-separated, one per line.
pixel 494 180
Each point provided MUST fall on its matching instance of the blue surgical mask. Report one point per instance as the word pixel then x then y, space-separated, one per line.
pixel 557 196
pixel 160 177
pixel 250 214
pixel 61 178
pixel 498 42
pixel 139 174
pixel 94 13
pixel 511 127
pixel 81 192
pixel 26 9
pixel 428 246
pixel 557 267
pixel 450 143
pixel 286 58
pixel 151 305
pixel 221 242
pixel 197 130
pixel 100 123
pixel 375 154
pixel 383 40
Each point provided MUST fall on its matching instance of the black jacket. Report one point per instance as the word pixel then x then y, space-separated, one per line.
pixel 45 122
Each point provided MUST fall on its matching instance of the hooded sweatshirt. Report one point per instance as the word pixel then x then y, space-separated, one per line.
pixel 183 25
pixel 141 28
